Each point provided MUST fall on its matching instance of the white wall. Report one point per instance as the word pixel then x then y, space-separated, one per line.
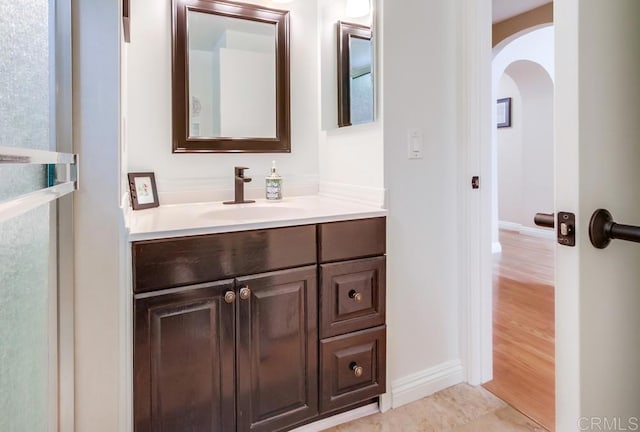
pixel 510 156
pixel 149 112
pixel 420 67
pixel 98 318
pixel 525 150
pixel 351 158
pixel 536 46
pixel 536 88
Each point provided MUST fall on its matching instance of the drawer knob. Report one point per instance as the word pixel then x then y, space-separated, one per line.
pixel 355 295
pixel 357 370
pixel 245 293
pixel 230 297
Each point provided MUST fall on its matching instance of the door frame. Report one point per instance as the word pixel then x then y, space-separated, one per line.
pixel 62 220
pixel 477 157
pixel 474 157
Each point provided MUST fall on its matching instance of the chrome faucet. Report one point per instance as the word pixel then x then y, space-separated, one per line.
pixel 240 180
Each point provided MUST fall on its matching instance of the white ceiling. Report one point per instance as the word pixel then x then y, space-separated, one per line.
pixel 503 9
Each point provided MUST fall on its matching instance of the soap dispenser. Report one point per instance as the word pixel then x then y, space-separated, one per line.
pixel 274 184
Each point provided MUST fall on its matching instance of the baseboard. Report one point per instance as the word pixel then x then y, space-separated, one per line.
pixel 362 194
pixel 525 230
pixel 425 383
pixel 339 419
pixel 496 248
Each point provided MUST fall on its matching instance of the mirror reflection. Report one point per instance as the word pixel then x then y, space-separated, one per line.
pixel 232 77
pixel 356 102
pixel 361 80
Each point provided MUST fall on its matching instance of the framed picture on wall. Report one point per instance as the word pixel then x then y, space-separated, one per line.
pixel 142 189
pixel 504 112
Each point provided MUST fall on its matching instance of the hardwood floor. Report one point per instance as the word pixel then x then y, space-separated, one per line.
pixel 523 326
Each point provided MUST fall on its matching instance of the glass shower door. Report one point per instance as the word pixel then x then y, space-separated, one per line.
pixel 25 296
pixel 32 177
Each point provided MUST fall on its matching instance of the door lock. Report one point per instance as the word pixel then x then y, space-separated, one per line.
pixel 566 229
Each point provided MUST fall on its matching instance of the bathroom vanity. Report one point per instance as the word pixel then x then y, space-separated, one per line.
pixel 257 324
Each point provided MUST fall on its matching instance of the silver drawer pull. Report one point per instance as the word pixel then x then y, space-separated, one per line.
pixel 355 295
pixel 230 297
pixel 245 293
pixel 357 370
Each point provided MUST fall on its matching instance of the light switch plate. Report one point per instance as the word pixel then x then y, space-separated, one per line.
pixel 415 143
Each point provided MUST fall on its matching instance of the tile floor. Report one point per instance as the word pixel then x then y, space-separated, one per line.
pixel 461 408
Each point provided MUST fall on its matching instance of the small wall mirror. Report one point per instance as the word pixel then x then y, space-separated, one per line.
pixel 355 75
pixel 230 78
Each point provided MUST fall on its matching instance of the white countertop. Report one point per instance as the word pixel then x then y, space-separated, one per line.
pixel 180 220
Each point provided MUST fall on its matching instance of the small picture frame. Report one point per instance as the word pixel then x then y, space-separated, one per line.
pixel 143 191
pixel 504 112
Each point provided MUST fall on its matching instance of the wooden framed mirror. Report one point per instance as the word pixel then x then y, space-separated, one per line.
pixel 356 85
pixel 230 78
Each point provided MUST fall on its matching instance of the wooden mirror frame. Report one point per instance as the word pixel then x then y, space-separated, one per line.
pixel 345 31
pixel 182 143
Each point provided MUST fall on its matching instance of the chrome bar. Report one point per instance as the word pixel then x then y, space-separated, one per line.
pixel 19 155
pixel 22 204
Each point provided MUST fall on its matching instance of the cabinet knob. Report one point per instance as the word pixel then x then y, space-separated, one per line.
pixel 355 295
pixel 245 293
pixel 230 297
pixel 357 370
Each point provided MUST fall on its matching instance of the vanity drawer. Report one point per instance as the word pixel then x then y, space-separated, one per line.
pixel 351 239
pixel 352 368
pixel 352 295
pixel 166 263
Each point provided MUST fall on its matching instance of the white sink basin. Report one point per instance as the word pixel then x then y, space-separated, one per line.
pixel 249 212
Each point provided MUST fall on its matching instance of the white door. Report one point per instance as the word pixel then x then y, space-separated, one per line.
pixel 598 166
pixel 37 177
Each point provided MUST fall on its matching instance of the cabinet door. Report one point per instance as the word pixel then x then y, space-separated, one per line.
pixel 277 349
pixel 184 373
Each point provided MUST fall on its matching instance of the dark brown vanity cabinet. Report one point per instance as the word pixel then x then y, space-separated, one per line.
pixel 352 307
pixel 265 352
pixel 251 341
